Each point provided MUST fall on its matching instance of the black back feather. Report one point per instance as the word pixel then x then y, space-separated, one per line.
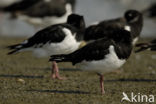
pixel 104 28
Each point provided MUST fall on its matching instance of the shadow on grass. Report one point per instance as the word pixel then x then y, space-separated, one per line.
pixel 132 80
pixel 61 69
pixel 20 76
pixel 58 91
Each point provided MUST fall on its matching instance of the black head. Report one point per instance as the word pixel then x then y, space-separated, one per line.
pixel 132 16
pixel 76 21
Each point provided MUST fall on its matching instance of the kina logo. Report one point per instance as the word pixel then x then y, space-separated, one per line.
pixel 137 98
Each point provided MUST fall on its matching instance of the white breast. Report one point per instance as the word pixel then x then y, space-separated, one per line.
pixel 109 63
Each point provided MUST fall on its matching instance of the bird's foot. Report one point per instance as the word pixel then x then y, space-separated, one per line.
pixel 55 76
pixel 103 92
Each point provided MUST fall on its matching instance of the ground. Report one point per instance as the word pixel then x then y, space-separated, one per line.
pixel 25 79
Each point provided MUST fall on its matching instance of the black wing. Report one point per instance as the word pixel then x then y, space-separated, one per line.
pixel 104 28
pixel 94 51
pixel 52 34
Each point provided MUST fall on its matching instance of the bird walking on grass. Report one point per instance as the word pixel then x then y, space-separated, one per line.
pixel 102 55
pixel 54 40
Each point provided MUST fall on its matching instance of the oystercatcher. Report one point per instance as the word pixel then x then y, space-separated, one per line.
pixel 102 55
pixel 54 40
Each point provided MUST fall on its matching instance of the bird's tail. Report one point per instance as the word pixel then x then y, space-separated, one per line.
pixel 60 58
pixel 15 48
pixel 142 47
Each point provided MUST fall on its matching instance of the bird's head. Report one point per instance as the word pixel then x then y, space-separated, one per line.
pixel 133 16
pixel 76 21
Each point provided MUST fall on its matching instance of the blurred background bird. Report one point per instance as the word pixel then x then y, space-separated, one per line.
pixel 36 11
pixel 95 10
pixel 40 13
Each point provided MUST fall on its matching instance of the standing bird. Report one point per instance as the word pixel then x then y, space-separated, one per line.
pixel 102 55
pixel 41 12
pixel 54 40
pixel 146 46
pixel 132 21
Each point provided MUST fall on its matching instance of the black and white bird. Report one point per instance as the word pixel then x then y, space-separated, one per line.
pixel 41 12
pixel 54 40
pixel 146 46
pixel 103 55
pixel 132 21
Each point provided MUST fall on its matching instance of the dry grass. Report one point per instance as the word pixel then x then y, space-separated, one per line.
pixel 26 80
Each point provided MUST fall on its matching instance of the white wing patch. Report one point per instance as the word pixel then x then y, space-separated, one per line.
pixel 128 28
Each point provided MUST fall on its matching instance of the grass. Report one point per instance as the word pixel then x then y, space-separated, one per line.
pixel 25 79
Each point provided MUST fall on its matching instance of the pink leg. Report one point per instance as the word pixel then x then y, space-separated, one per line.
pixel 55 71
pixel 102 84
